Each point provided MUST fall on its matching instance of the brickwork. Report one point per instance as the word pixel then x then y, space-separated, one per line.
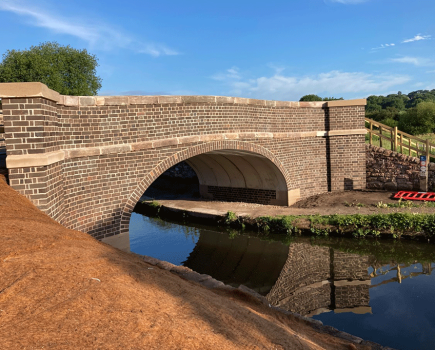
pixel 87 160
pixel 346 117
pixel 347 162
pixel 2 134
pixel 30 125
pixel 248 195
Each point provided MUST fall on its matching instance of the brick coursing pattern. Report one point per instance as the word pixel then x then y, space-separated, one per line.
pixel 392 171
pixel 97 191
pixel 31 125
pixel 236 194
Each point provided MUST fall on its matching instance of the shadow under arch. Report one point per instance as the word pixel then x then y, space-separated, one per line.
pixel 234 148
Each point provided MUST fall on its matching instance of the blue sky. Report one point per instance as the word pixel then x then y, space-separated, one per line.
pixel 278 50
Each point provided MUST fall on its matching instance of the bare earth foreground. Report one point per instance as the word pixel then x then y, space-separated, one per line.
pixel 61 289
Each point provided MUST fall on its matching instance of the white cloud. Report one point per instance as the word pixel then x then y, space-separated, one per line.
pixel 418 37
pixel 416 61
pixel 383 46
pixel 97 35
pixel 334 83
pixel 229 74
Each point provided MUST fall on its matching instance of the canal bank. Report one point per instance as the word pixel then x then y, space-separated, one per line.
pixel 351 213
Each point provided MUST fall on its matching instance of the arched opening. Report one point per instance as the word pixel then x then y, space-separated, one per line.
pixel 249 172
pixel 224 175
pixel 178 182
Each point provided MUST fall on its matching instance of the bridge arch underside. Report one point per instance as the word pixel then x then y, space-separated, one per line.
pixel 241 176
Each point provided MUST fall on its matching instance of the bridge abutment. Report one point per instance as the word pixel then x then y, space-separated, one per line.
pixel 86 161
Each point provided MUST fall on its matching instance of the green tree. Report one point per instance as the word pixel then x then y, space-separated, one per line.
pixel 419 120
pixel 332 98
pixel 312 97
pixel 62 68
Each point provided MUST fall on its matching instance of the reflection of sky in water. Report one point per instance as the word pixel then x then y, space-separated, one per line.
pixel 161 239
pixel 403 313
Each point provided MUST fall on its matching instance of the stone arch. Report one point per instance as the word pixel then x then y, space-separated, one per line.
pixel 188 153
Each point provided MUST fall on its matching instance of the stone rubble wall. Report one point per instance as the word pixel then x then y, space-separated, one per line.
pixel 392 171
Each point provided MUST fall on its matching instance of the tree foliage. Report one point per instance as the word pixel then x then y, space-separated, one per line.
pixel 312 97
pixel 419 119
pixel 62 68
pixel 413 113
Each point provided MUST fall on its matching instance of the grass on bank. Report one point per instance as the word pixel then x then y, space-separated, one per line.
pixel 392 224
pixel 386 144
pixel 357 225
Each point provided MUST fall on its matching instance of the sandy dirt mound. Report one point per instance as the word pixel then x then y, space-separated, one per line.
pixel 61 289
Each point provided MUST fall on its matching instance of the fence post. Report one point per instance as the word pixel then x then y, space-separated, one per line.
pixel 395 138
pixel 371 130
pixel 380 137
pixel 401 143
pixel 424 176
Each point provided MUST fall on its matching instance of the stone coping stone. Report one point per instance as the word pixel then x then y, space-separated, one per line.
pixel 36 89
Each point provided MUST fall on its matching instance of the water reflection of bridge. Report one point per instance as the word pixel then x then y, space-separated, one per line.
pixel 318 279
pixel 302 278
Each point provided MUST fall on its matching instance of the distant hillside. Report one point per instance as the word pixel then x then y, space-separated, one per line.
pixel 413 113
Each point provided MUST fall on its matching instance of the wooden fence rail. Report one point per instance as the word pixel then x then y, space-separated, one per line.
pixel 391 138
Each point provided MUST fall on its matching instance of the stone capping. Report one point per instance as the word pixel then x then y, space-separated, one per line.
pixel 34 160
pixel 90 101
pixel 27 90
pixel 344 103
pixel 43 159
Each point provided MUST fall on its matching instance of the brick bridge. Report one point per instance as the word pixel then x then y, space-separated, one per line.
pixel 86 161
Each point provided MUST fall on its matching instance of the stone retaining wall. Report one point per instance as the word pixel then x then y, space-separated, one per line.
pixel 392 171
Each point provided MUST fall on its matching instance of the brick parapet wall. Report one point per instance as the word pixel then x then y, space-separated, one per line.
pixel 97 155
pixel 392 171
pixel 114 125
pixel 31 125
pixel 343 117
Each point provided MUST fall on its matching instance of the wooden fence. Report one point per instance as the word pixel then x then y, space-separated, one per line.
pixel 382 135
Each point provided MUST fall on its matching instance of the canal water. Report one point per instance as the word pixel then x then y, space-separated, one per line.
pixel 379 290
